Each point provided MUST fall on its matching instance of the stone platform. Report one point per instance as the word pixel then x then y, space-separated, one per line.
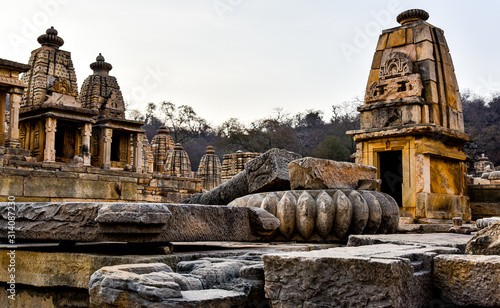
pixel 49 275
pixel 451 240
pixel 135 222
pixel 384 275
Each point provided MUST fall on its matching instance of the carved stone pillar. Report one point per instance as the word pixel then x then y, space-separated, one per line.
pixel 49 154
pixel 137 148
pixel 86 134
pixel 3 104
pixel 106 137
pixel 15 103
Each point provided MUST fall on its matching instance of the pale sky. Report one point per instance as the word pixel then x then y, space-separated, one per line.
pixel 243 58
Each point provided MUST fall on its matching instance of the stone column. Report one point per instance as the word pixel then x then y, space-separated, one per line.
pixel 106 138
pixel 15 103
pixel 3 104
pixel 137 148
pixel 49 154
pixel 86 134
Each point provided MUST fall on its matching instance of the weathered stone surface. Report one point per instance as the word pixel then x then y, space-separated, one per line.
pixel 79 222
pixel 316 173
pixel 486 241
pixel 360 212
pixel 369 184
pixel 44 297
pixel 457 241
pixel 208 282
pixel 486 222
pixel 326 215
pixel 286 209
pixel 65 269
pixel 269 171
pixel 469 280
pixel 266 172
pixel 375 212
pixel 371 276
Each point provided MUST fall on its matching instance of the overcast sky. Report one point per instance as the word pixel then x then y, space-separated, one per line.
pixel 243 58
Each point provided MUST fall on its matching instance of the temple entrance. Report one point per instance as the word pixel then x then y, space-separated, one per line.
pixel 65 141
pixel 391 173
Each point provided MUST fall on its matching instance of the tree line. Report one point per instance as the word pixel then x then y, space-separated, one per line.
pixel 308 133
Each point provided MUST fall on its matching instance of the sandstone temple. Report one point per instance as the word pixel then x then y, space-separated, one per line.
pixel 93 214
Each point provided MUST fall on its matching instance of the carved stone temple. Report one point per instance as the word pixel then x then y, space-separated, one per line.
pixel 112 132
pixel 52 124
pixel 177 162
pixel 160 145
pixel 412 127
pixel 210 169
pixel 10 84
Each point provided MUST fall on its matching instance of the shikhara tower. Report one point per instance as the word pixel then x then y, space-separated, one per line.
pixel 412 126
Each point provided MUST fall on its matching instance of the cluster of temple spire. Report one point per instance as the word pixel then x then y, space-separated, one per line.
pixel 57 123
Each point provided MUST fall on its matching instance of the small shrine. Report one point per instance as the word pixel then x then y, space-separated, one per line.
pixel 160 145
pixel 177 162
pixel 210 169
pixel 412 126
pixel 11 85
pixel 483 164
pixel 112 134
pixel 52 123
pixel 234 163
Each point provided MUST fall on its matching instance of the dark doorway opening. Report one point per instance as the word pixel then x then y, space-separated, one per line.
pixel 115 147
pixel 391 173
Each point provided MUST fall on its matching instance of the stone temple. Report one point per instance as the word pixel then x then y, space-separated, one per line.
pixel 412 125
pixel 93 215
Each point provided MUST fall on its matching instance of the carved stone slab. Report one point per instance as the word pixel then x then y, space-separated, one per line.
pixel 399 87
pixel 136 222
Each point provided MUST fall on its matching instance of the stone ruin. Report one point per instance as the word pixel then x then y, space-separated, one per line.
pixel 210 169
pixel 232 164
pixel 283 231
pixel 412 125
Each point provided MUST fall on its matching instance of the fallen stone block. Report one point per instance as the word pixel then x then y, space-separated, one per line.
pixel 266 172
pixel 316 173
pixel 136 222
pixel 469 280
pixel 325 215
pixel 208 282
pixel 269 171
pixel 486 241
pixel 369 276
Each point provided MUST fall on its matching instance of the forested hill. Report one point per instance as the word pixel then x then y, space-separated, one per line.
pixel 308 133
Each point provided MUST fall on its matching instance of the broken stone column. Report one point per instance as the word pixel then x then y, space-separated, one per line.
pixel 267 172
pixel 326 215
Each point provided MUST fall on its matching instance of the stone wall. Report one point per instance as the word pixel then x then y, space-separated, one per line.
pixel 44 182
pixel 484 200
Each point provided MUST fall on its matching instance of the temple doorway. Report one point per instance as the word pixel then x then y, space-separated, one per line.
pixel 391 173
